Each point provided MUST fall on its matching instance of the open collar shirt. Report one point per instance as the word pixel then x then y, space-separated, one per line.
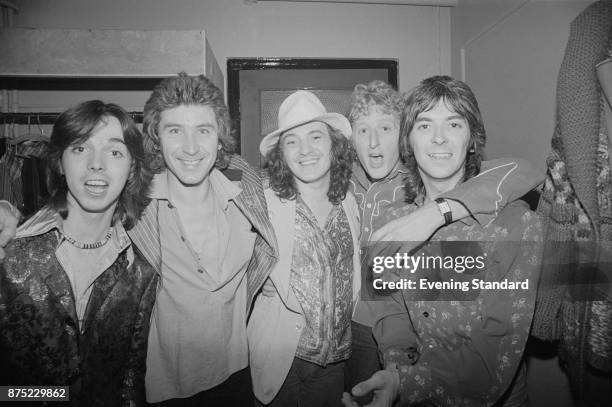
pixel 198 331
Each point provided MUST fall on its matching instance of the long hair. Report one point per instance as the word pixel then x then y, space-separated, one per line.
pixel 459 98
pixel 185 90
pixel 282 180
pixel 74 127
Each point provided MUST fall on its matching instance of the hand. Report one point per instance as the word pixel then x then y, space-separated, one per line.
pixel 8 226
pixel 417 226
pixel 384 384
pixel 268 289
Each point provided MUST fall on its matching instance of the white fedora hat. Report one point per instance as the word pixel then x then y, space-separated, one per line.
pixel 299 108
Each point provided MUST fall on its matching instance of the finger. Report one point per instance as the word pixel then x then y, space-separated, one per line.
pixel 268 293
pixel 365 387
pixel 8 232
pixel 347 401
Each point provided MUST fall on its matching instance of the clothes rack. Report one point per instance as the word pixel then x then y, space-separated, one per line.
pixel 34 118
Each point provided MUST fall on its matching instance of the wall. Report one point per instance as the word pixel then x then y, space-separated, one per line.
pixel 513 50
pixel 418 36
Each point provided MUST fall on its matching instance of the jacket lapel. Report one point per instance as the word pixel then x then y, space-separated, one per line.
pixel 102 288
pixel 56 279
pixel 282 216
pixel 145 235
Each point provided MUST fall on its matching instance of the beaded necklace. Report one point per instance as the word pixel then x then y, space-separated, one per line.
pixel 88 246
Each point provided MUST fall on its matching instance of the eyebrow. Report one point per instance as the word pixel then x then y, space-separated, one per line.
pixel 452 117
pixel 117 140
pixel 208 125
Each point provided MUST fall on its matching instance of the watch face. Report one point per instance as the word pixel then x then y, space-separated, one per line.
pixel 445 210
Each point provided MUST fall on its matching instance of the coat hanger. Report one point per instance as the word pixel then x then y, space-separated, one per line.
pixel 29 135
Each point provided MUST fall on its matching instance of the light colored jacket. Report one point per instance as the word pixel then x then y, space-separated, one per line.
pixel 276 323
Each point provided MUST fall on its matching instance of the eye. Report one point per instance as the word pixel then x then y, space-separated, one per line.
pixel 423 126
pixel 117 154
pixel 362 130
pixel 204 130
pixel 456 125
pixel 78 149
pixel 173 130
pixel 386 129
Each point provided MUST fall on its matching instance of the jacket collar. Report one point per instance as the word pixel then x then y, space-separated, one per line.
pixel 48 219
pixel 360 175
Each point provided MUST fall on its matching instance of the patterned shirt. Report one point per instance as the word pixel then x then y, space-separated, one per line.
pixel 500 181
pixel 321 278
pixel 466 352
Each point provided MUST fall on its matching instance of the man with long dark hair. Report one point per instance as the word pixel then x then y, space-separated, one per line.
pixel 75 298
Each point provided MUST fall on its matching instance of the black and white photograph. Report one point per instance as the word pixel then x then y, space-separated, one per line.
pixel 306 203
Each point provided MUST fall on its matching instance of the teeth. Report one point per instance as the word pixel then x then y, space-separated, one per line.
pixel 308 162
pixel 440 155
pixel 96 183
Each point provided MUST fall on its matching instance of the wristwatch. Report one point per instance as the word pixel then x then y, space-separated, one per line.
pixel 445 210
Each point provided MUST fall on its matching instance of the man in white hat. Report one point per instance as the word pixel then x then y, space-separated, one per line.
pixel 299 339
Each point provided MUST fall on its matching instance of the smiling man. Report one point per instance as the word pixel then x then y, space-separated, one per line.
pixel 378 182
pixel 208 234
pixel 300 337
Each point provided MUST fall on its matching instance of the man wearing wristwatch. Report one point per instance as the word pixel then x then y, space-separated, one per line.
pixel 378 181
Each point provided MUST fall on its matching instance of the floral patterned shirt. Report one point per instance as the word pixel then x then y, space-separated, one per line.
pixel 321 278
pixel 467 352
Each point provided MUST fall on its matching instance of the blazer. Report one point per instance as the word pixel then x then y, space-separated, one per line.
pixel 276 323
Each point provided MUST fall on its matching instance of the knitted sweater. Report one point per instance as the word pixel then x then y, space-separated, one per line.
pixel 576 203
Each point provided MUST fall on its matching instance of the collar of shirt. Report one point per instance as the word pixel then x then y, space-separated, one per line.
pixel 360 175
pixel 48 219
pixel 224 189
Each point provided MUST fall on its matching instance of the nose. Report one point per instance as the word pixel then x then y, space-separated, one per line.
pixel 190 145
pixel 439 136
pixel 305 147
pixel 374 139
pixel 96 161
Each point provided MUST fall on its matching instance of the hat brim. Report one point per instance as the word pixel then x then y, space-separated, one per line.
pixel 335 120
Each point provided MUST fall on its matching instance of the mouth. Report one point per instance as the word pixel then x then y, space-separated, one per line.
pixel 440 156
pixel 96 186
pixel 376 159
pixel 308 162
pixel 191 163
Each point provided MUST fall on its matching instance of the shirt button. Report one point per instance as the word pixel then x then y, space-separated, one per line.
pixel 430 346
pixel 200 271
pixel 298 327
pixel 170 205
pixel 366 229
pixel 182 238
pixel 425 314
pixel 369 205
